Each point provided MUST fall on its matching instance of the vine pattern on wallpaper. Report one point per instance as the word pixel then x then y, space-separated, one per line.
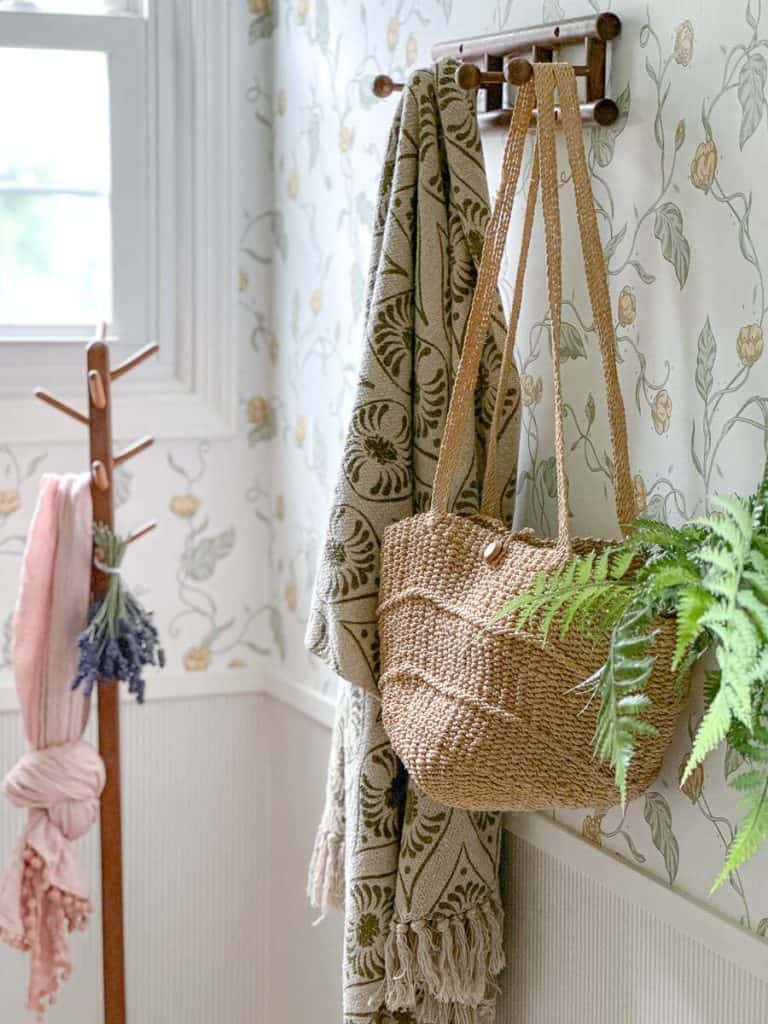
pixel 257 629
pixel 688 399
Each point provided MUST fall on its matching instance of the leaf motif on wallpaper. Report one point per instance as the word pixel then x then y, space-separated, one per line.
pixel 32 465
pixel 549 476
pixel 658 816
pixel 668 228
pixel 571 343
pixel 751 90
pixel 745 241
pixel 552 11
pixel 762 928
pixel 613 243
pixel 604 139
pixel 263 25
pixel 199 562
pixel 705 361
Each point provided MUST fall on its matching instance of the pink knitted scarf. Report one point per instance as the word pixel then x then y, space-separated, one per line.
pixel 60 779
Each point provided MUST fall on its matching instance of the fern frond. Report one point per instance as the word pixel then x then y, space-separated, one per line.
pixel 620 684
pixel 693 603
pixel 753 830
pixel 650 533
pixel 712 730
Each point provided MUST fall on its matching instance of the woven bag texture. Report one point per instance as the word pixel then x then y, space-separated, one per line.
pixel 488 717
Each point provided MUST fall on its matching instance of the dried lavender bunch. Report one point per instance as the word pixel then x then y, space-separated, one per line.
pixel 121 637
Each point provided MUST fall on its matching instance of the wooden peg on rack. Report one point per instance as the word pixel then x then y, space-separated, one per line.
pixel 102 461
pixel 133 449
pixel 383 86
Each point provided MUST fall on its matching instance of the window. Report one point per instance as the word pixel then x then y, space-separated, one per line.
pixel 55 251
pixel 117 204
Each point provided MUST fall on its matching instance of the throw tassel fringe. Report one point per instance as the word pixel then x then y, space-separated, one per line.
pixel 447 966
pixel 325 883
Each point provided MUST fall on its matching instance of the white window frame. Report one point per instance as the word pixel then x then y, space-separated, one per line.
pixel 174 198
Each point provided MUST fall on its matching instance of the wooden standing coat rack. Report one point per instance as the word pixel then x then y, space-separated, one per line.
pixel 102 463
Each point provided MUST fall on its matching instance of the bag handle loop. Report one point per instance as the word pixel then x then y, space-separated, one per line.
pixel 546 77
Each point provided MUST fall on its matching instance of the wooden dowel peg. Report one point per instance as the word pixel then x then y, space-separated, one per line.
pixel 133 361
pixel 100 475
pixel 96 388
pixel 133 449
pixel 383 86
pixel 56 403
pixel 516 72
pixel 141 532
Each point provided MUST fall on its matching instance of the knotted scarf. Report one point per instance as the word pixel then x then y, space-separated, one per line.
pixel 60 779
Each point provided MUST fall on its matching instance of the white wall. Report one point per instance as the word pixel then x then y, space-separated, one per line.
pixel 196 825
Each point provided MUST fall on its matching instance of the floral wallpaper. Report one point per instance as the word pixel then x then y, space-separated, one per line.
pixel 684 221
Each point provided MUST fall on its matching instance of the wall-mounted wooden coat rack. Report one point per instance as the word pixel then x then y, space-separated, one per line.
pixel 99 380
pixel 491 63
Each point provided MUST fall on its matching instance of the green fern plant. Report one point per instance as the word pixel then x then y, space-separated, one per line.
pixel 712 575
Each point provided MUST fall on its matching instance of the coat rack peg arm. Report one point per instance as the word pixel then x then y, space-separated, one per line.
pixel 133 361
pixel 96 388
pixel 100 475
pixel 133 449
pixel 142 531
pixel 56 403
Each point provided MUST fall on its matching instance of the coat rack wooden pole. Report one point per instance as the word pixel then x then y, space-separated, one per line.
pixel 102 492
pixel 102 464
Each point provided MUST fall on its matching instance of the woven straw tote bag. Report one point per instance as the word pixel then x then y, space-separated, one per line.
pixel 486 718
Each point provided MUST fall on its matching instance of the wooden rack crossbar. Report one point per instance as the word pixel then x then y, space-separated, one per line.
pixel 102 462
pixel 491 62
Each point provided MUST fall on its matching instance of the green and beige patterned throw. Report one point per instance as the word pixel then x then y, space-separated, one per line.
pixel 418 882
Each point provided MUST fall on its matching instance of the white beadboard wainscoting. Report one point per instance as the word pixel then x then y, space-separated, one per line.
pixel 222 795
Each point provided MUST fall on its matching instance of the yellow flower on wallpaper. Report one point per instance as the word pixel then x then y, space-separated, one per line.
pixel 316 301
pixel 641 494
pixel 184 505
pixel 300 430
pixel 704 165
pixel 10 502
pixel 293 183
pixel 346 138
pixel 661 411
pixel 627 306
pixel 591 829
pixel 197 659
pixel 242 281
pixel 260 7
pixel 280 507
pixel 749 344
pixel 291 595
pixel 393 32
pixel 530 390
pixel 684 44
pixel 411 49
pixel 302 9
pixel 282 101
pixel 258 410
